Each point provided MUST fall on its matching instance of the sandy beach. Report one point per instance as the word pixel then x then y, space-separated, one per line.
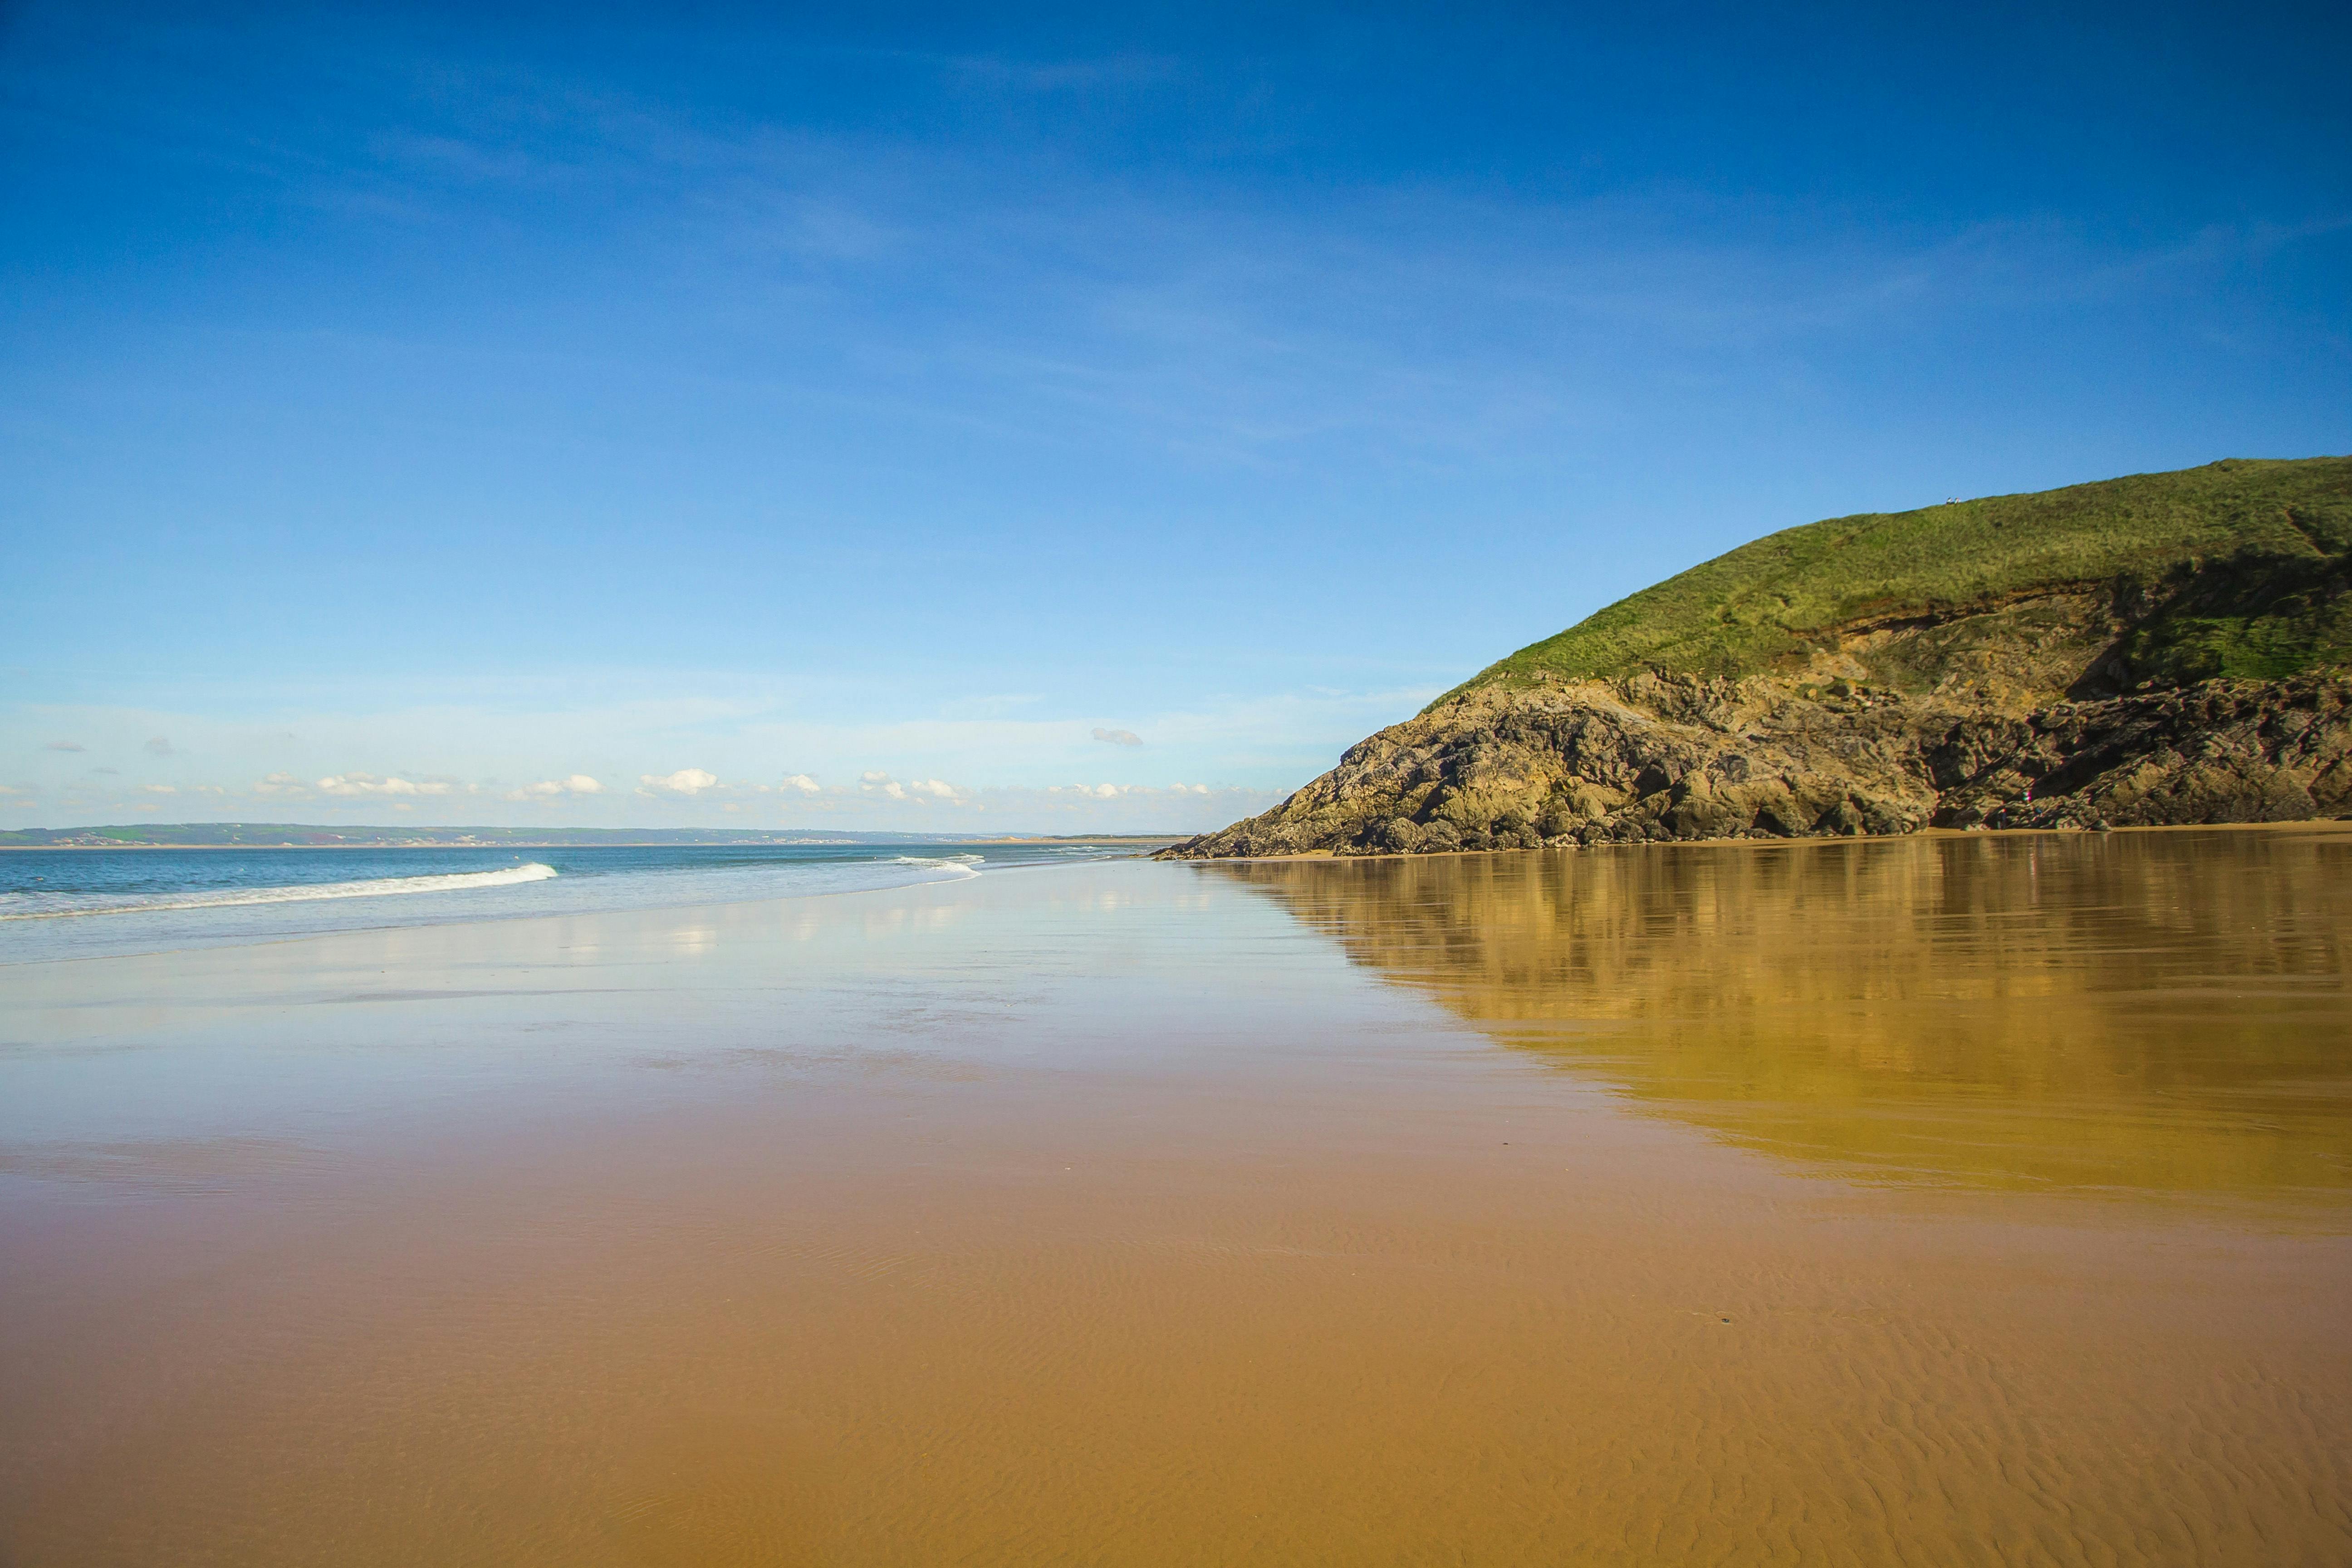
pixel 1922 1201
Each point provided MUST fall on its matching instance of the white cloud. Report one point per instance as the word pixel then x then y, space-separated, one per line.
pixel 687 782
pixel 877 786
pixel 1119 736
pixel 350 786
pixel 159 747
pixel 65 746
pixel 800 782
pixel 1092 792
pixel 159 789
pixel 548 789
pixel 281 783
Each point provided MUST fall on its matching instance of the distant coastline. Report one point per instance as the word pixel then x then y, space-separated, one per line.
pixel 312 836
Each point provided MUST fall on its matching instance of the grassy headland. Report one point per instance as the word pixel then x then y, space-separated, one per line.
pixel 2163 648
pixel 2266 543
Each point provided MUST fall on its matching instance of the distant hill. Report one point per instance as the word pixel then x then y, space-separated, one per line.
pixel 2159 648
pixel 295 834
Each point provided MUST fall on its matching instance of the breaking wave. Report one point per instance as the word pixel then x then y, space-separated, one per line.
pixel 66 905
pixel 954 864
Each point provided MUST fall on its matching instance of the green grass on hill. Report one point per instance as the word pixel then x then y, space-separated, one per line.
pixel 2267 540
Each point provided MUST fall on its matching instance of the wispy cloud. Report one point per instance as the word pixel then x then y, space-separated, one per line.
pixel 990 705
pixel 64 746
pixel 1416 323
pixel 1131 69
pixel 1119 736
pixel 554 789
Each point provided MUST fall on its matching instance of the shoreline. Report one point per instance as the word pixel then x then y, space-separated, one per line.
pixel 2322 824
pixel 206 943
pixel 1109 838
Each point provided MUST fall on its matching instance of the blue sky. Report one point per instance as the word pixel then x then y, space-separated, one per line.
pixel 1002 421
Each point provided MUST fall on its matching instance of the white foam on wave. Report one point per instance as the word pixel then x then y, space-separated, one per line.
pixel 226 898
pixel 954 864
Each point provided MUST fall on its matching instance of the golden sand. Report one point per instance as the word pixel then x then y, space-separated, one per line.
pixel 1934 1202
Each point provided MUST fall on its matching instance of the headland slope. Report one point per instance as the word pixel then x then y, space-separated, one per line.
pixel 2157 650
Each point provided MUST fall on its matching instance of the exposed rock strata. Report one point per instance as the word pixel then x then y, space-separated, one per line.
pixel 1686 757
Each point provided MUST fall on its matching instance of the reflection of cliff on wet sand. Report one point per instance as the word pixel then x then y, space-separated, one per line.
pixel 2158 1012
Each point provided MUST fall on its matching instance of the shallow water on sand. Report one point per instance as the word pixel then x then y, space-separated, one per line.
pixel 1962 1200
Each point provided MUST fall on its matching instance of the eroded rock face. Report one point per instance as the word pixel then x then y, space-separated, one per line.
pixel 1685 757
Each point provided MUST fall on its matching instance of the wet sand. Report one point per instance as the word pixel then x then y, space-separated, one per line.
pixel 1956 1201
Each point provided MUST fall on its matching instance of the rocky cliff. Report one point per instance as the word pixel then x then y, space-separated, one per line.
pixel 2163 649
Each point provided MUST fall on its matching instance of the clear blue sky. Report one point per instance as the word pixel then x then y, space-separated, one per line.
pixel 672 392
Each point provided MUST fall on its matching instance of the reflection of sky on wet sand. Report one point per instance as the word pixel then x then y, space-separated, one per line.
pixel 2154 1012
pixel 1129 1214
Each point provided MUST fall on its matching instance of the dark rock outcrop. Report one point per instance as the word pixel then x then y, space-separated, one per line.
pixel 1686 757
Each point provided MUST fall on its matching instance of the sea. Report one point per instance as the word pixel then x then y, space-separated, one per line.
pixel 77 903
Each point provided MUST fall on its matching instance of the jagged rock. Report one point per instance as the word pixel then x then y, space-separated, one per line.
pixel 1682 757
